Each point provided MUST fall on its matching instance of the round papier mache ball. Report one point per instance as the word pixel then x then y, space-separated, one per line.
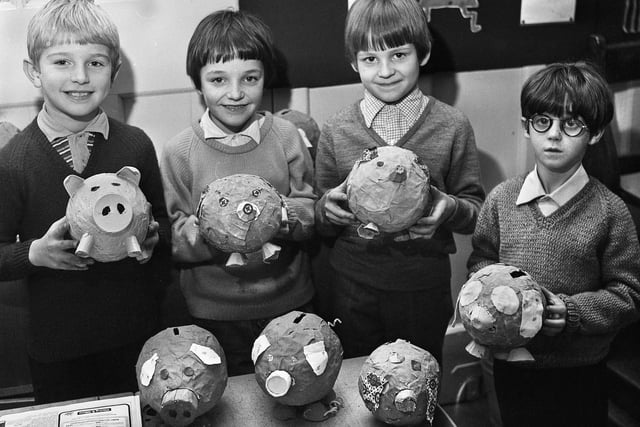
pixel 108 214
pixel 501 307
pixel 399 383
pixel 389 187
pixel 297 358
pixel 239 213
pixel 182 373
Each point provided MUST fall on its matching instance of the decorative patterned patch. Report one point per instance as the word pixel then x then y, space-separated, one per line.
pixel 372 388
pixel 432 389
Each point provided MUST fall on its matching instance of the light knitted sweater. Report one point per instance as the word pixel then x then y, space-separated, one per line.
pixel 443 138
pixel 258 290
pixel 586 252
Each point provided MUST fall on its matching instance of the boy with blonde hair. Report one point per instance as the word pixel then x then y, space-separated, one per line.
pixel 88 320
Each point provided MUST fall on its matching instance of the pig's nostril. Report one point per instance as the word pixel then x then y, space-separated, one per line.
pixel 173 413
pixel 106 210
pixel 120 208
pixel 186 414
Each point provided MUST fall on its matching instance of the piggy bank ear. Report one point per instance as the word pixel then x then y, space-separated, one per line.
pixel 259 346
pixel 207 355
pixel 72 183
pixel 130 174
pixel 147 370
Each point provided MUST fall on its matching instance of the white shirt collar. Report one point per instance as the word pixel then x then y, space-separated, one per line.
pixel 53 130
pixel 532 188
pixel 211 130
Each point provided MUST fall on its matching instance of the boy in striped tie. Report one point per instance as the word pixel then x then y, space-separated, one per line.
pixel 88 319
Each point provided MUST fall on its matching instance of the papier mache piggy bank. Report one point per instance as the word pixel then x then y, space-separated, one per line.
pixel 108 214
pixel 502 308
pixel 388 190
pixel 297 359
pixel 399 383
pixel 239 214
pixel 182 373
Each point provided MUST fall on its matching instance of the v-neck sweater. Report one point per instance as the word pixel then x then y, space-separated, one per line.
pixel 74 313
pixel 586 252
pixel 443 139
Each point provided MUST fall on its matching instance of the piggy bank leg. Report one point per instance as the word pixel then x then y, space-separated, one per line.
pixel 84 246
pixel 284 412
pixel 236 259
pixel 133 247
pixel 179 407
pixel 368 231
pixel 270 252
pixel 323 409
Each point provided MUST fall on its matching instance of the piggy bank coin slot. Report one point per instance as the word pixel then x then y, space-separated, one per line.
pixel 517 273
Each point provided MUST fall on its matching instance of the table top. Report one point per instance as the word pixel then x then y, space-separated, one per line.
pixel 245 404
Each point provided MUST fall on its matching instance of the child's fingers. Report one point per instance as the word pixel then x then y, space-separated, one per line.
pixel 59 228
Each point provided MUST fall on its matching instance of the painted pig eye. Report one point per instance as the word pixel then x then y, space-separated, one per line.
pixel 95 188
pixel 380 163
pixel 188 371
pixel 223 201
pixel 164 374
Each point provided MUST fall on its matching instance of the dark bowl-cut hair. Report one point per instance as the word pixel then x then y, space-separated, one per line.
pixel 573 89
pixel 230 34
pixel 384 24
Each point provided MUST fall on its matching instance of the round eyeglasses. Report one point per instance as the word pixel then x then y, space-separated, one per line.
pixel 571 127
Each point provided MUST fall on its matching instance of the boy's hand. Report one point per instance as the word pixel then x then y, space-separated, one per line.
pixel 332 209
pixel 442 208
pixel 556 314
pixel 150 242
pixel 53 250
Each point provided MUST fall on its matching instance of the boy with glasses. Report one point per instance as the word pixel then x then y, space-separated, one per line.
pixel 576 239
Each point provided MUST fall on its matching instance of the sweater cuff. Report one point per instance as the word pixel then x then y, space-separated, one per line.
pixel 573 316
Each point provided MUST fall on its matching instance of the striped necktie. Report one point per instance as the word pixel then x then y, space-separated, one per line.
pixel 75 149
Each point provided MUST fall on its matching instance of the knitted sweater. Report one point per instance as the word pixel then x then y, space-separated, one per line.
pixel 257 290
pixel 586 252
pixel 74 313
pixel 443 138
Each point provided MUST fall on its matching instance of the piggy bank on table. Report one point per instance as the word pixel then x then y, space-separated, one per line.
pixel 388 190
pixel 108 214
pixel 239 214
pixel 502 308
pixel 182 373
pixel 297 359
pixel 399 383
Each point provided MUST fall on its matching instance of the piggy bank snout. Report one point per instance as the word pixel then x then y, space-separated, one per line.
pixel 247 211
pixel 398 175
pixel 406 401
pixel 112 213
pixel 278 383
pixel 180 406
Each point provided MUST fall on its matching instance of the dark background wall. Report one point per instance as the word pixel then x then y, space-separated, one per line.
pixel 309 34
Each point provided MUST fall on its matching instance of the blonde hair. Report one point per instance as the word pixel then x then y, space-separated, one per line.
pixel 72 21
